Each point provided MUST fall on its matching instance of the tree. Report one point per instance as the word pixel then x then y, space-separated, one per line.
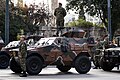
pixel 80 23
pixel 98 7
pixel 2 5
pixel 33 16
pixel 27 18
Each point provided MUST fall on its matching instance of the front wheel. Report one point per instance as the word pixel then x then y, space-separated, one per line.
pixel 34 65
pixel 4 61
pixel 106 66
pixel 14 66
pixel 82 64
pixel 63 68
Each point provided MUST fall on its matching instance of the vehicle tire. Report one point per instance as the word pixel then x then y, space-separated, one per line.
pixel 4 61
pixel 14 66
pixel 82 64
pixel 63 68
pixel 106 66
pixel 34 65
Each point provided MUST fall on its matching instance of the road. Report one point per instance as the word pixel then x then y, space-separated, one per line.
pixel 52 73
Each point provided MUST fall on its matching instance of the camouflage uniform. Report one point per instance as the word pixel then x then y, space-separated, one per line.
pixel 22 55
pixel 96 51
pixel 60 13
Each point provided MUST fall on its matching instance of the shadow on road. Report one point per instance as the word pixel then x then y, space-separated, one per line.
pixel 61 75
pixel 115 71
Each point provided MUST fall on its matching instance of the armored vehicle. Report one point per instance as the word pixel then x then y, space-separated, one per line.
pixel 6 53
pixel 63 52
pixel 109 57
pixel 2 44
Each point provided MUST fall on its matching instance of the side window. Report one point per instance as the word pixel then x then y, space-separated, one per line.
pixel 30 42
pixel 58 41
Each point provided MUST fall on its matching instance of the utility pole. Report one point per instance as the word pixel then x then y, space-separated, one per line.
pixel 109 20
pixel 7 22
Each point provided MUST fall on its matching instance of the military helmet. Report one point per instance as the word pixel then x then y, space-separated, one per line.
pixel 60 4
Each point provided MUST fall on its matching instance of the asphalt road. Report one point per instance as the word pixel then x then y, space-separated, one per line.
pixel 52 73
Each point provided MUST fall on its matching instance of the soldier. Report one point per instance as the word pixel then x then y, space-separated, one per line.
pixel 22 55
pixel 60 13
pixel 96 51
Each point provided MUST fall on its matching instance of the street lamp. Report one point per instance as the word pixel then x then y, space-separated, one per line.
pixel 7 22
pixel 109 20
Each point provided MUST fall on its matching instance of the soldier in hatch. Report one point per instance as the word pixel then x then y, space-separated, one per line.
pixel 22 55
pixel 60 13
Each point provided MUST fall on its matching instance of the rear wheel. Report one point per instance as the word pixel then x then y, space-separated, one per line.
pixel 63 68
pixel 34 65
pixel 4 61
pixel 106 66
pixel 14 66
pixel 82 64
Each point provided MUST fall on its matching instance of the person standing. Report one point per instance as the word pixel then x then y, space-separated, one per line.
pixel 60 13
pixel 22 54
pixel 96 51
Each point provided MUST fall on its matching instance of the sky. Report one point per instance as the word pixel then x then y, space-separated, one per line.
pixel 46 1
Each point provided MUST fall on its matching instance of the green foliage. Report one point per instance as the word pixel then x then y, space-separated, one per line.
pixel 99 25
pixel 26 18
pixel 80 23
pixel 98 7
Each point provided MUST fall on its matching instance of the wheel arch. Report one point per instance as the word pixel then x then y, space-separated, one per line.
pixel 4 53
pixel 82 54
pixel 35 54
